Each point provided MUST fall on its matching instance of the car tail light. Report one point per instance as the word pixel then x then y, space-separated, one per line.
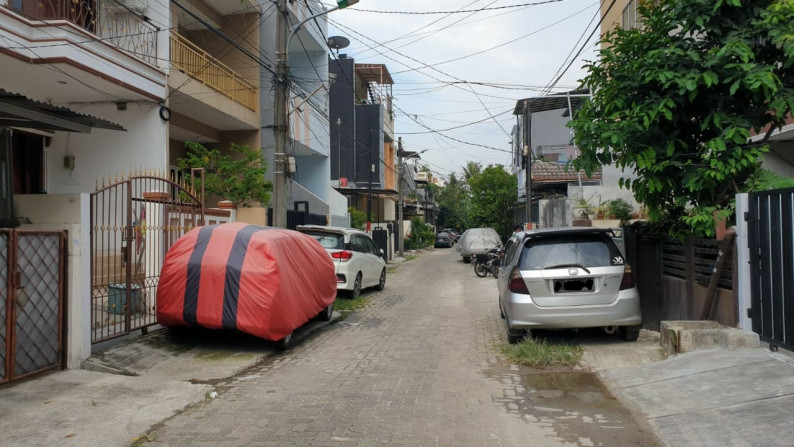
pixel 628 280
pixel 343 255
pixel 516 283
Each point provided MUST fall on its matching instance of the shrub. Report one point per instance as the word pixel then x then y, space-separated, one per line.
pixel 621 209
pixel 421 236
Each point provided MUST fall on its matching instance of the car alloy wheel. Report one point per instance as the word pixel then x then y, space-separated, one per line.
pixel 285 342
pixel 382 282
pixel 327 313
pixel 356 287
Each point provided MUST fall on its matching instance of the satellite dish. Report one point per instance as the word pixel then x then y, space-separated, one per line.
pixel 338 42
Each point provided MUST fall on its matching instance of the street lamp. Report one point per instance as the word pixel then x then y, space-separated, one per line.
pixel 280 123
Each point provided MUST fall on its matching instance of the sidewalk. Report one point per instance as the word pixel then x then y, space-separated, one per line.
pixel 125 390
pixel 713 397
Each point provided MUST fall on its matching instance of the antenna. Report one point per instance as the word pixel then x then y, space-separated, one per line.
pixel 337 43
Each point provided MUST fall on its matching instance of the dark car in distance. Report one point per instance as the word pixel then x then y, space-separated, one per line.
pixel 444 239
pixel 452 233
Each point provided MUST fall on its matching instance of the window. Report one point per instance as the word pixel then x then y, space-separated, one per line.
pixel 327 240
pixel 630 15
pixel 372 248
pixel 28 159
pixel 510 251
pixel 588 250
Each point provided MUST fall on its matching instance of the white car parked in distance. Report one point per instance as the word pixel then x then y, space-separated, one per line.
pixel 358 261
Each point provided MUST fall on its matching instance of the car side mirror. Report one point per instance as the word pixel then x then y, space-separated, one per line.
pixel 381 251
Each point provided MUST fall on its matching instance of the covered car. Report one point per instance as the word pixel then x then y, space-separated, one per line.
pixel 477 241
pixel 263 281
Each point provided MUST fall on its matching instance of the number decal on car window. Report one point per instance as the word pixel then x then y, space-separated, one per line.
pixel 617 260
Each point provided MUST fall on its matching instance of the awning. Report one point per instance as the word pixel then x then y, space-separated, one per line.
pixel 552 102
pixel 19 111
pixel 365 191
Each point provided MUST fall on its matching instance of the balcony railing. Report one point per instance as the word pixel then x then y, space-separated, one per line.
pixel 200 65
pixel 111 20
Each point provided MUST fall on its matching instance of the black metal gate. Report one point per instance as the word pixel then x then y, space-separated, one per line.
pixel 771 241
pixel 133 223
pixel 32 268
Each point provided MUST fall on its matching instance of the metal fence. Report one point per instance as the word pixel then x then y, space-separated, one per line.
pixel 770 223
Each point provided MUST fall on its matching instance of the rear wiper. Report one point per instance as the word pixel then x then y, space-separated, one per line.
pixel 559 266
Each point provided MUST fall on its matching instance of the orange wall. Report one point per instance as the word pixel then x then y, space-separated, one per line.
pixel 389 170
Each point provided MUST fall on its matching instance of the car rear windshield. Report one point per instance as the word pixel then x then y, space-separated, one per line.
pixel 587 250
pixel 328 240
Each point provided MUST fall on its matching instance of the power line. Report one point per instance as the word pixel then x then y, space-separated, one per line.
pixel 597 27
pixel 499 45
pixel 462 11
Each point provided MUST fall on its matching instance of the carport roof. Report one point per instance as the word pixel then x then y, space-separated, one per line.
pixel 20 111
pixel 551 102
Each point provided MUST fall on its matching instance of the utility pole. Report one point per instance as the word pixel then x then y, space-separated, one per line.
pixel 369 182
pixel 400 194
pixel 528 161
pixel 281 104
pixel 280 112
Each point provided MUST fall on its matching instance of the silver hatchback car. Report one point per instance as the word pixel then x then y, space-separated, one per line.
pixel 562 278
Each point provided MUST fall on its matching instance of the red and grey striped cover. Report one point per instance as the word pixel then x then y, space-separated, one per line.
pixel 260 280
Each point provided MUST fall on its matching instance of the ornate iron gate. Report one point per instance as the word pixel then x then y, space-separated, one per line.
pixel 133 223
pixel 32 267
pixel 771 242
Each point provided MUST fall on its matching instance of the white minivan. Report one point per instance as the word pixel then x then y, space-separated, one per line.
pixel 358 261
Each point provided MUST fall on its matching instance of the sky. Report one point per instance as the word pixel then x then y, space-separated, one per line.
pixel 457 75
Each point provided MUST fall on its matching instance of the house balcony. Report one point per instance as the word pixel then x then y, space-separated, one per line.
pixel 105 45
pixel 117 22
pixel 422 178
pixel 207 90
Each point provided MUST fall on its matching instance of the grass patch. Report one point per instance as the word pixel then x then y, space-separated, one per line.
pixel 540 353
pixel 351 304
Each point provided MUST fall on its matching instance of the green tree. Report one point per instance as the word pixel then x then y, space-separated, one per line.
pixel 471 169
pixel 494 198
pixel 357 218
pixel 453 201
pixel 241 180
pixel 675 102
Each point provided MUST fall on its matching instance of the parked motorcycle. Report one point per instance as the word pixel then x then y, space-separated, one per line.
pixel 488 262
pixel 495 261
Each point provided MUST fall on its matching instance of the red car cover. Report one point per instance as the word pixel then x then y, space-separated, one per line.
pixel 260 280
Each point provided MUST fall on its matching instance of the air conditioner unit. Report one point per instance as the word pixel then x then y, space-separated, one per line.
pixel 136 6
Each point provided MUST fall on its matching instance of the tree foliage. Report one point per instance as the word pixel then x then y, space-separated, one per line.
pixel 471 169
pixel 453 200
pixel 358 219
pixel 241 180
pixel 494 198
pixel 676 100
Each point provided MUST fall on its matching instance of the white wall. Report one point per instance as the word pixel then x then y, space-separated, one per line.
pixel 314 174
pixel 743 273
pixel 106 153
pixel 70 212
pixel 774 163
pixel 594 195
pixel 338 203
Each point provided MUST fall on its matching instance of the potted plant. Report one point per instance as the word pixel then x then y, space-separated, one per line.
pixel 580 209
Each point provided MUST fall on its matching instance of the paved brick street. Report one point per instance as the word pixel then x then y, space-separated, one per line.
pixel 419 367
